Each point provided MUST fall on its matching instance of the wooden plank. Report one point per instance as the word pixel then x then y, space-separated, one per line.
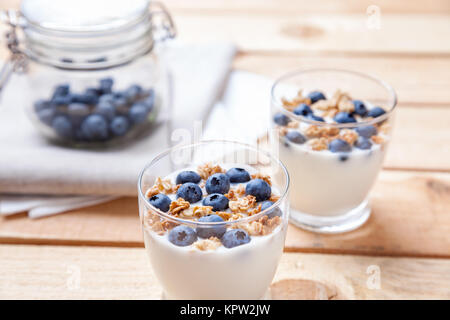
pixel 47 272
pixel 306 6
pixel 418 81
pixel 410 218
pixel 342 33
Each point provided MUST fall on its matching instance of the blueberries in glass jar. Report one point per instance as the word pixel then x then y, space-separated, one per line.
pixel 302 110
pixel 138 113
pixel 182 236
pixel 218 183
pixel 363 143
pixel 62 126
pixel 238 175
pixel 77 112
pixel 360 108
pixel 61 90
pixel 376 112
pixel 119 126
pixel 366 131
pixel 106 109
pixel 160 201
pixel 295 137
pixel 316 96
pixel 190 192
pixel 235 237
pixel 46 115
pixel 106 85
pixel 344 117
pixel 187 176
pixel 281 119
pixel 133 92
pixel 95 128
pixel 211 231
pixel 339 145
pixel 258 188
pixel 61 100
pixel 217 201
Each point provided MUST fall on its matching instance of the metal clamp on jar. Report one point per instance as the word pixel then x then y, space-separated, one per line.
pixel 94 72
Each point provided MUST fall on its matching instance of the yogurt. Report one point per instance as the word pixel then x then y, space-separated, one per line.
pixel 241 272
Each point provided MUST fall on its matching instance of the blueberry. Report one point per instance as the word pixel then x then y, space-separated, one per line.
pixel 316 96
pixel 315 118
pixel 133 92
pixel 120 102
pixel 87 98
pixel 106 85
pixel 61 90
pixel 343 157
pixel 77 112
pixel 160 201
pixel 235 237
pixel 344 117
pixel 182 236
pixel 119 125
pixel 360 108
pixel 275 212
pixel 47 115
pixel 109 98
pixel 366 131
pixel 339 145
pixel 259 189
pixel 295 137
pixel 187 176
pixel 95 127
pixel 238 175
pixel 363 143
pixel 41 105
pixel 61 100
pixel 281 119
pixel 149 101
pixel 93 91
pixel 216 200
pixel 375 112
pixel 62 126
pixel 302 110
pixel 208 232
pixel 106 109
pixel 138 113
pixel 218 183
pixel 190 192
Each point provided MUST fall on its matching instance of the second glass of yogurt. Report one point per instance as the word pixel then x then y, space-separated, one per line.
pixel 331 129
pixel 214 216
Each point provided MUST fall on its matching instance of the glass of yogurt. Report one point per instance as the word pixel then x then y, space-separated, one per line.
pixel 331 129
pixel 214 217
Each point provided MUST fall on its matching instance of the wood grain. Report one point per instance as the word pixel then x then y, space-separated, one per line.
pixel 418 81
pixel 48 272
pixel 410 218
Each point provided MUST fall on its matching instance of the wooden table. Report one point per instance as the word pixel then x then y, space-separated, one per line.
pixel 406 242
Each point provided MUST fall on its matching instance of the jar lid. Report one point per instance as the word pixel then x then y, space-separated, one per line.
pixel 92 34
pixel 83 15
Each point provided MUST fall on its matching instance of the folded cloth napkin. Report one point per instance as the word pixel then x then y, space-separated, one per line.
pixel 31 165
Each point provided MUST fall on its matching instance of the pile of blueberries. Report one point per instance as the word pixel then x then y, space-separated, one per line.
pixel 216 186
pixel 99 114
pixel 336 145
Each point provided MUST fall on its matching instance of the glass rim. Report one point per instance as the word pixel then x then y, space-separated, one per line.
pixel 167 216
pixel 278 104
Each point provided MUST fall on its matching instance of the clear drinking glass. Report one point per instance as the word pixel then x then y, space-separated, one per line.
pixel 329 189
pixel 241 272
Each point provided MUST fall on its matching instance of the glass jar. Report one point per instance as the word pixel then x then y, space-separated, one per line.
pixel 331 129
pixel 94 74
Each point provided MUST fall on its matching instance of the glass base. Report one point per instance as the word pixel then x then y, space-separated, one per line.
pixel 334 224
pixel 267 296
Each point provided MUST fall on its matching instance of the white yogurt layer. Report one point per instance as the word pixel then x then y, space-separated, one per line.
pixel 242 272
pixel 324 185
